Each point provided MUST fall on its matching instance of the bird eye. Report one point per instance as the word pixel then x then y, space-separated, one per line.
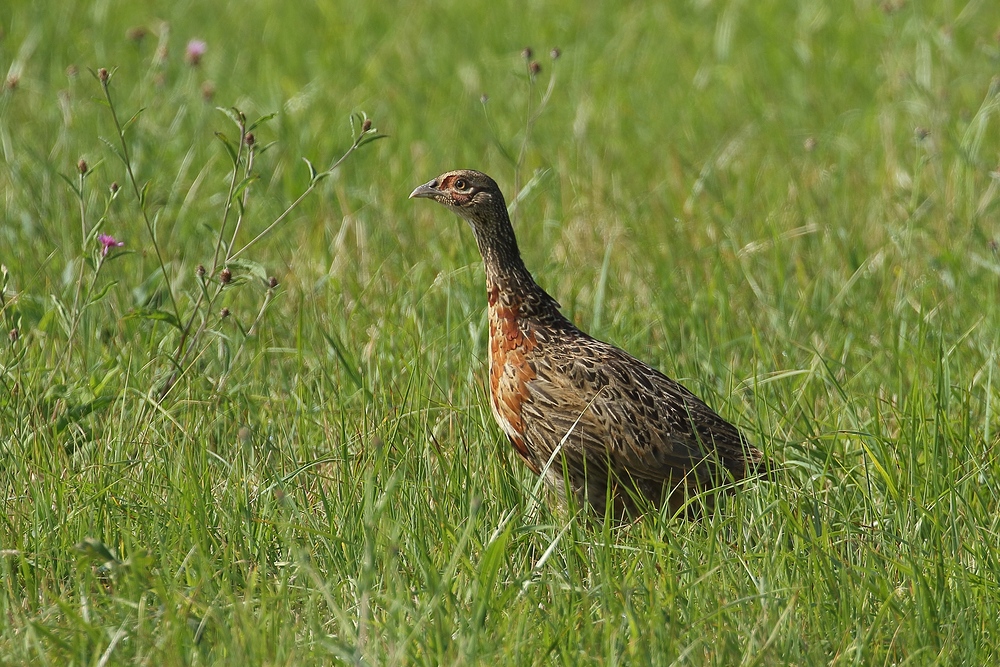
pixel 460 184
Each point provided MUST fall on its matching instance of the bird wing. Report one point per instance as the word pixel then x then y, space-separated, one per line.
pixel 640 422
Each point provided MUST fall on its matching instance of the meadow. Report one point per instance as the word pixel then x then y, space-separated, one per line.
pixel 257 432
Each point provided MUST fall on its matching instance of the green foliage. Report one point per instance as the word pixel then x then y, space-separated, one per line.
pixel 790 206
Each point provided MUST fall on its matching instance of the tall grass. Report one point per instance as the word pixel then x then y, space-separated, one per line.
pixel 791 207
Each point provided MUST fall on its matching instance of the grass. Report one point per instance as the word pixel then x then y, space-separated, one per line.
pixel 791 207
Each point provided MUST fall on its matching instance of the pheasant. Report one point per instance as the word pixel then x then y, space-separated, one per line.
pixel 597 422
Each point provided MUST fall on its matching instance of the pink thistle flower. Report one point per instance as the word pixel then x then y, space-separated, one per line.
pixel 108 242
pixel 195 50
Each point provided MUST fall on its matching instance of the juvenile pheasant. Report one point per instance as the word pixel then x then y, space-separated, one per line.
pixel 621 430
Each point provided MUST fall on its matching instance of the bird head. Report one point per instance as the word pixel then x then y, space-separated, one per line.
pixel 470 194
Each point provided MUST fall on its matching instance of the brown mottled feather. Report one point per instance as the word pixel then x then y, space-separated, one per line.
pixel 621 427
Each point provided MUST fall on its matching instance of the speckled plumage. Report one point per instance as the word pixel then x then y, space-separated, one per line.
pixel 623 430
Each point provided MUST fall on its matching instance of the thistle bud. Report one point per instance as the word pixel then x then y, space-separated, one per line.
pixel 82 167
pixel 200 271
pixel 194 52
pixel 102 74
pixel 272 282
pixel 224 313
pixel 527 53
pixel 367 125
pixel 136 33
pixel 249 139
pixel 114 187
pixel 534 68
pixel 225 276
pixel 14 335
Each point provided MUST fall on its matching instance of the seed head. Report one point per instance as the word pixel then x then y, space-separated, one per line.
pixel 12 81
pixel 200 271
pixel 249 139
pixel 527 53
pixel 114 187
pixel 367 125
pixel 136 33
pixel 555 53
pixel 224 313
pixel 72 71
pixel 810 144
pixel 102 74
pixel 484 98
pixel 534 68
pixel 272 282
pixel 81 166
pixel 225 276
pixel 14 335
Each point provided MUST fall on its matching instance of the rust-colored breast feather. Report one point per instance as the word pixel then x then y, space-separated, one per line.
pixel 510 373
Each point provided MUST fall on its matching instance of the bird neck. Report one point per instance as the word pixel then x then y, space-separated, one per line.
pixel 501 258
pixel 509 284
pixel 504 266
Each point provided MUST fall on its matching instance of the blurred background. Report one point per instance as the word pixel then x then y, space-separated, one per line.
pixel 789 206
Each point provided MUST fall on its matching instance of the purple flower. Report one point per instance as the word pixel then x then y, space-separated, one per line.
pixel 195 50
pixel 108 242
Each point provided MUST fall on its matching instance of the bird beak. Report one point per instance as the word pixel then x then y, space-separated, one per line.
pixel 426 191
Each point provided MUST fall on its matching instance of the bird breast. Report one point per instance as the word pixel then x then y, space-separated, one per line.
pixel 510 372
